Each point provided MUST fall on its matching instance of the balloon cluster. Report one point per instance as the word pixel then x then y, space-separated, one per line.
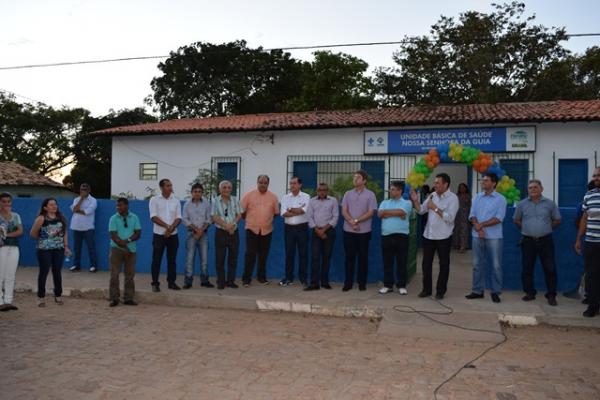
pixel 423 168
pixel 506 187
pixel 477 159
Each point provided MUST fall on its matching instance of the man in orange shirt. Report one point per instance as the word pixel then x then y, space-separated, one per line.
pixel 260 206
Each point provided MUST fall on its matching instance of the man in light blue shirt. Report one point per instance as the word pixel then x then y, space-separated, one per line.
pixel 395 215
pixel 487 213
pixel 82 225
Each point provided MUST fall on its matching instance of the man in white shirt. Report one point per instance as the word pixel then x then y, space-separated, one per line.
pixel 165 213
pixel 441 207
pixel 82 225
pixel 293 209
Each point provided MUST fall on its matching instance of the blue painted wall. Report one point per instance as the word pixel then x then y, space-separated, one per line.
pixel 569 264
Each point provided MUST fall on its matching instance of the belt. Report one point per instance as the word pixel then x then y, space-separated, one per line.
pixel 536 238
pixel 302 225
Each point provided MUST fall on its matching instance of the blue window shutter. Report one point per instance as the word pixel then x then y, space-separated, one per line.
pixel 228 171
pixel 519 171
pixel 307 171
pixel 376 170
pixel 572 182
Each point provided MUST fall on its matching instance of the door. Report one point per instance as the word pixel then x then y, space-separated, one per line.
pixel 572 182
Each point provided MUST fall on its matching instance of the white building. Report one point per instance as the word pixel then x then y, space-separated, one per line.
pixel 556 142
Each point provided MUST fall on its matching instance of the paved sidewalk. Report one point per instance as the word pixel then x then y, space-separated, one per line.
pixel 474 313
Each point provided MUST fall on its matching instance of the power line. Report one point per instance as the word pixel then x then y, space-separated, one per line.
pixel 21 96
pixel 324 46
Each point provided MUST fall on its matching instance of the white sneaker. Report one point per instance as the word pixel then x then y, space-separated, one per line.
pixel 402 291
pixel 385 290
pixel 74 268
pixel 92 269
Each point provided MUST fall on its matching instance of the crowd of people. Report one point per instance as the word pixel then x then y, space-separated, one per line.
pixel 450 220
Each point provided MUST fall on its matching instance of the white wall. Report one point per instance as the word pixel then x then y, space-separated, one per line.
pixel 567 140
pixel 179 156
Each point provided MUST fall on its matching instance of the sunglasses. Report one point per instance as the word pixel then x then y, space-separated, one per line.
pixel 125 222
pixel 226 212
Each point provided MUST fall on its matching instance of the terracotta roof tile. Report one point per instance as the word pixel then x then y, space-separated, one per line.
pixel 13 174
pixel 548 111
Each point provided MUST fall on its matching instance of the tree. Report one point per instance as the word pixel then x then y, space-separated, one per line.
pixel 334 82
pixel 204 79
pixel 92 154
pixel 482 58
pixel 36 135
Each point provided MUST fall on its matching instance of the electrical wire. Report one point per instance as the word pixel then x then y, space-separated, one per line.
pixel 310 47
pixel 449 310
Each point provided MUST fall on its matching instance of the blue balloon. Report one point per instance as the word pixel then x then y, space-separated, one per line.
pixel 443 148
pixel 444 157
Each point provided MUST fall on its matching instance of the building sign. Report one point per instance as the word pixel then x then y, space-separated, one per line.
pixel 417 141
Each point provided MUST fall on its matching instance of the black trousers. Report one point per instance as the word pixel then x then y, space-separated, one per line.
pixel 50 260
pixel 159 242
pixel 356 245
pixel 531 249
pixel 591 258
pixel 443 249
pixel 321 250
pixel 296 238
pixel 394 248
pixel 257 246
pixel 226 245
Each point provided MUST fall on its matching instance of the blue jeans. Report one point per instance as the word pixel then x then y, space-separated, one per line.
pixel 88 237
pixel 486 251
pixel 191 244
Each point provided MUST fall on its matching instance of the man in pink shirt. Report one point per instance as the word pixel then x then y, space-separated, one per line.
pixel 260 206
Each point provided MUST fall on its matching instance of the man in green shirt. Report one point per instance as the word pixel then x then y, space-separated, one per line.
pixel 125 229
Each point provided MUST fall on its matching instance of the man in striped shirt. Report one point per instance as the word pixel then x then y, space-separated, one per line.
pixel 590 226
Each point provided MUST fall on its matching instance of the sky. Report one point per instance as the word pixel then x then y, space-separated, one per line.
pixel 37 32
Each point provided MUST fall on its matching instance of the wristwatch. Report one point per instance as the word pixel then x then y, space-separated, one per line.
pixel 355 221
pixel 128 240
pixel 436 210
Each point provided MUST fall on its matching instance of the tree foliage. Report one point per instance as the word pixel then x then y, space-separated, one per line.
pixel 205 79
pixel 36 135
pixel 92 154
pixel 481 58
pixel 334 82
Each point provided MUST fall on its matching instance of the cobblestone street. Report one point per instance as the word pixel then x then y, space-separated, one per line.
pixel 86 350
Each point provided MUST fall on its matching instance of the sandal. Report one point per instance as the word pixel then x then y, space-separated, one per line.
pixel 58 300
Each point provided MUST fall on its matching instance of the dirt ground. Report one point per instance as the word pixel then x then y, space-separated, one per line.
pixel 86 350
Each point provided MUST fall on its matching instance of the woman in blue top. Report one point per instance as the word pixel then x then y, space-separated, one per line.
pixel 50 230
pixel 10 230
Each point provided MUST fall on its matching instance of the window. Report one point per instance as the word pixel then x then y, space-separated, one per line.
pixel 337 171
pixel 519 171
pixel 148 171
pixel 228 168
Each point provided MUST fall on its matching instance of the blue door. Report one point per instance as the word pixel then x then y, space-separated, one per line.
pixel 572 182
pixel 228 171
pixel 519 171
pixel 307 171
